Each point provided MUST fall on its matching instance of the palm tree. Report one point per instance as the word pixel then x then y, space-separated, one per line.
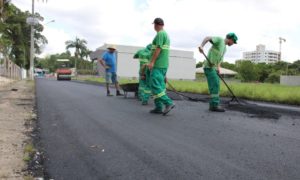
pixel 80 47
pixel 84 53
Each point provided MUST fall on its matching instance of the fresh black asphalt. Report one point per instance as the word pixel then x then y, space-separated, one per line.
pixel 86 135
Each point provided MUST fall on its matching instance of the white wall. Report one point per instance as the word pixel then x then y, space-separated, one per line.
pixel 290 80
pixel 182 68
pixel 127 66
pixel 179 67
pixel 182 64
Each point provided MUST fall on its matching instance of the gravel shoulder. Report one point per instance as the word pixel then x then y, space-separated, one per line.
pixel 16 112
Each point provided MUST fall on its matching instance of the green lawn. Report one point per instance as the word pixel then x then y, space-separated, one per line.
pixel 102 80
pixel 252 91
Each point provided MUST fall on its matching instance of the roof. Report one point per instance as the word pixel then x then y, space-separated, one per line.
pixel 223 71
pixel 63 60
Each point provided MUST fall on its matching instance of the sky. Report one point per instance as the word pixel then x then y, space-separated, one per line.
pixel 129 22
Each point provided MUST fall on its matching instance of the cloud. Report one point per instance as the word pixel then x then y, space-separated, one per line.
pixel 56 40
pixel 186 21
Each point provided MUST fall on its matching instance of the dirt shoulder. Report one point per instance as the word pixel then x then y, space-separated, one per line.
pixel 16 109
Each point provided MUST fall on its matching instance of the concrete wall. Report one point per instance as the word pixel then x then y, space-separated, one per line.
pixel 182 64
pixel 290 80
pixel 9 69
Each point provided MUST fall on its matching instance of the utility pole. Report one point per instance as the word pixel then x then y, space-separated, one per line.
pixel 280 42
pixel 32 21
pixel 31 73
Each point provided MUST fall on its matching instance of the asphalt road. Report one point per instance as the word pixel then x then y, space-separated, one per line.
pixel 87 135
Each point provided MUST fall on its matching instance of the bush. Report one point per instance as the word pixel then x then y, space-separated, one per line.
pixel 247 71
pixel 273 77
pixel 86 72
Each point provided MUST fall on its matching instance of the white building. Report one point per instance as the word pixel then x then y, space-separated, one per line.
pixel 182 64
pixel 261 55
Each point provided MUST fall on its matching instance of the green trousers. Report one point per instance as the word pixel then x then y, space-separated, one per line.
pixel 144 92
pixel 213 86
pixel 158 88
pixel 146 84
pixel 141 89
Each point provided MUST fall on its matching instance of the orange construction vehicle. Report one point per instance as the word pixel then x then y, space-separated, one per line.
pixel 64 72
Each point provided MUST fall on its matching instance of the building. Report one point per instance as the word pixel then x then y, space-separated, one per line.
pixel 182 64
pixel 261 55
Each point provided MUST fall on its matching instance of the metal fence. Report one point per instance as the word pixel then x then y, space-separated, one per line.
pixel 9 69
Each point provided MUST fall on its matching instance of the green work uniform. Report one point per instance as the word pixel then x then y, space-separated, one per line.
pixel 146 83
pixel 215 55
pixel 159 71
pixel 144 91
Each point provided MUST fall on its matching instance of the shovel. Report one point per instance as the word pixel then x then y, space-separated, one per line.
pixel 234 98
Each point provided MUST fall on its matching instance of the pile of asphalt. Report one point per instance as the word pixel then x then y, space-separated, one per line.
pixel 252 109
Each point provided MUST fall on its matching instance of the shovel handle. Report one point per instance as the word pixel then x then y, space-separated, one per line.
pixel 231 92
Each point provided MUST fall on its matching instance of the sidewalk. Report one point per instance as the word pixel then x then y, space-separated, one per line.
pixel 4 81
pixel 15 110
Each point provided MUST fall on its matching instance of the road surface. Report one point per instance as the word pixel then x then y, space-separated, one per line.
pixel 87 135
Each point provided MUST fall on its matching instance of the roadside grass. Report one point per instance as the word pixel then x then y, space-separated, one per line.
pixel 102 80
pixel 29 150
pixel 29 177
pixel 252 91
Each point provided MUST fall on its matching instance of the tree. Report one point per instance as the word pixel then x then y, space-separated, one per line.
pixel 247 71
pixel 273 77
pixel 15 35
pixel 80 47
pixel 50 62
pixel 3 6
pixel 199 64
pixel 85 53
pixel 294 68
pixel 228 66
pixel 263 71
pixel 78 44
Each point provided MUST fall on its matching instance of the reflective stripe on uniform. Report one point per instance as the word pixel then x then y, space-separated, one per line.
pixel 214 95
pixel 159 95
pixel 162 47
pixel 147 91
pixel 165 47
pixel 143 60
pixel 153 47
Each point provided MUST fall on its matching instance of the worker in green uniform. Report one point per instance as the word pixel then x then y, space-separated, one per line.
pixel 144 90
pixel 212 67
pixel 158 66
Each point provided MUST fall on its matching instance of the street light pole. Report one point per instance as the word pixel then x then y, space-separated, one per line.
pixel 49 22
pixel 31 73
pixel 280 42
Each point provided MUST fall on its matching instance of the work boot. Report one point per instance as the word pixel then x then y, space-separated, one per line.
pixel 217 109
pixel 144 103
pixel 168 109
pixel 156 111
pixel 118 93
pixel 108 93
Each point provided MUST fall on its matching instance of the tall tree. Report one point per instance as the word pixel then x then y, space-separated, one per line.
pixel 78 44
pixel 15 35
pixel 80 47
